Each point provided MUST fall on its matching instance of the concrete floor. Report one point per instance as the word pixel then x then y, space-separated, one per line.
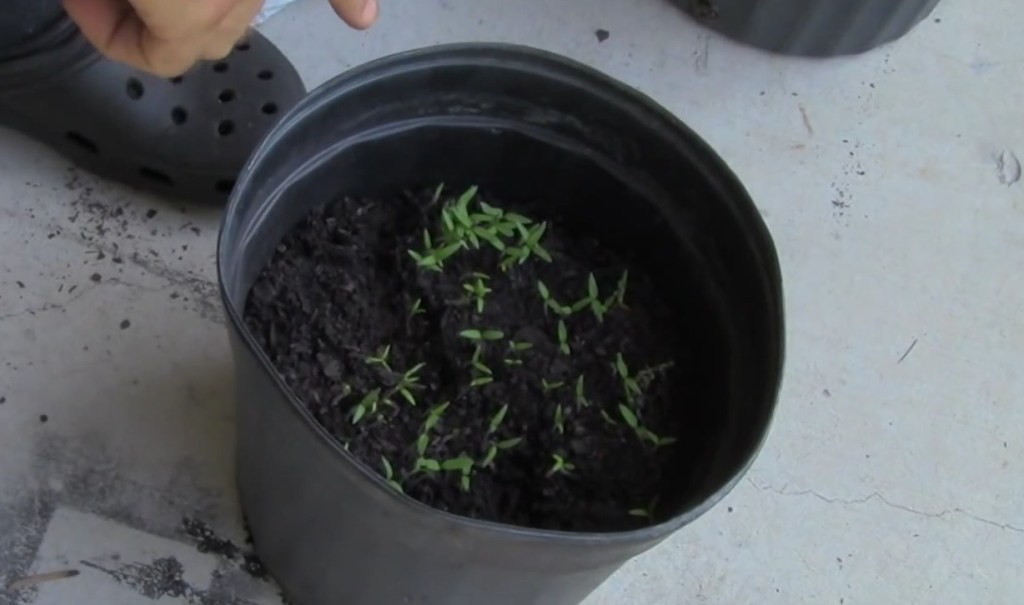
pixel 892 474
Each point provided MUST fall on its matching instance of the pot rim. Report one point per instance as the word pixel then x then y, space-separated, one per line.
pixel 507 55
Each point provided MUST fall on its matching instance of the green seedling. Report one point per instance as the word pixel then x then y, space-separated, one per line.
pixel 618 297
pixel 389 474
pixel 498 418
pixel 608 418
pixel 482 335
pixel 482 374
pixel 550 302
pixel 464 465
pixel 409 381
pixel 550 386
pixel 433 418
pixel 629 416
pixel 417 308
pixel 380 358
pixel 646 435
pixel 559 420
pixel 478 290
pixel 422 462
pixel 563 338
pixel 630 385
pixel 346 390
pixel 494 448
pixel 642 432
pixel 367 406
pixel 514 349
pixel 531 242
pixel 647 512
pixel 581 397
pixel 426 261
pixel 561 465
pixel 598 308
pixel 428 465
pixel 437 194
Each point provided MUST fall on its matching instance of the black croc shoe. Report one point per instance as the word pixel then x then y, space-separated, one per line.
pixel 185 138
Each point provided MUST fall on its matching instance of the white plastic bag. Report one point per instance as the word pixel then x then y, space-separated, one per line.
pixel 270 9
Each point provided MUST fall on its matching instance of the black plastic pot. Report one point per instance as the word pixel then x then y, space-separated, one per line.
pixel 525 125
pixel 814 28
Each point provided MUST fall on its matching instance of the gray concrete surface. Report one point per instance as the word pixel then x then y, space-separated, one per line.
pixel 890 181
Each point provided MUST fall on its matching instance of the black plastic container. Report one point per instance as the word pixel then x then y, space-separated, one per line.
pixel 525 125
pixel 813 28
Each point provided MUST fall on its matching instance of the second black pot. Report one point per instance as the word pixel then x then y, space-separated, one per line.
pixel 525 125
pixel 813 28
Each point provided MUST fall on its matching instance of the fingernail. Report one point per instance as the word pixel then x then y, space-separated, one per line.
pixel 369 14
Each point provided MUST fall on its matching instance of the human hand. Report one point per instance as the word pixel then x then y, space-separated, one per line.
pixel 167 38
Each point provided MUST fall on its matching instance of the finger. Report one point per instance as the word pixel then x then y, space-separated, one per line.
pixel 359 14
pixel 183 19
pixel 116 30
pixel 232 29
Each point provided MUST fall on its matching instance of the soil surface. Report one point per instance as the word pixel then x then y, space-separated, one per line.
pixel 457 384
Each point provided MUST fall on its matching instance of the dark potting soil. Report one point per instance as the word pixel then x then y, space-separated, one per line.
pixel 535 433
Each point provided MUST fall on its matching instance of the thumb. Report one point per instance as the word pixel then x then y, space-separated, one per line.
pixel 359 14
pixel 116 30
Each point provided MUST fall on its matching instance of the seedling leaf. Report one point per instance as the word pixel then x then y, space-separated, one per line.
pixel 559 420
pixel 628 416
pixel 428 465
pixel 498 418
pixel 620 366
pixel 492 453
pixel 389 472
pixel 509 443
pixel 437 194
pixel 472 334
pixel 581 397
pixel 462 464
pixel 481 381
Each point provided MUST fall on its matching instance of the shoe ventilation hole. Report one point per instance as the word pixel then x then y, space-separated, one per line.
pixel 225 128
pixel 242 47
pixel 266 74
pixel 177 80
pixel 221 67
pixel 82 142
pixel 135 89
pixel 269 108
pixel 179 115
pixel 226 96
pixel 225 187
pixel 156 176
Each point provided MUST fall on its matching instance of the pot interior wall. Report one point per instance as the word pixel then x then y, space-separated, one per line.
pixel 567 182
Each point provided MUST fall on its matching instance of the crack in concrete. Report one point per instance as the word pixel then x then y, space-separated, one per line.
pixel 48 306
pixel 880 498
